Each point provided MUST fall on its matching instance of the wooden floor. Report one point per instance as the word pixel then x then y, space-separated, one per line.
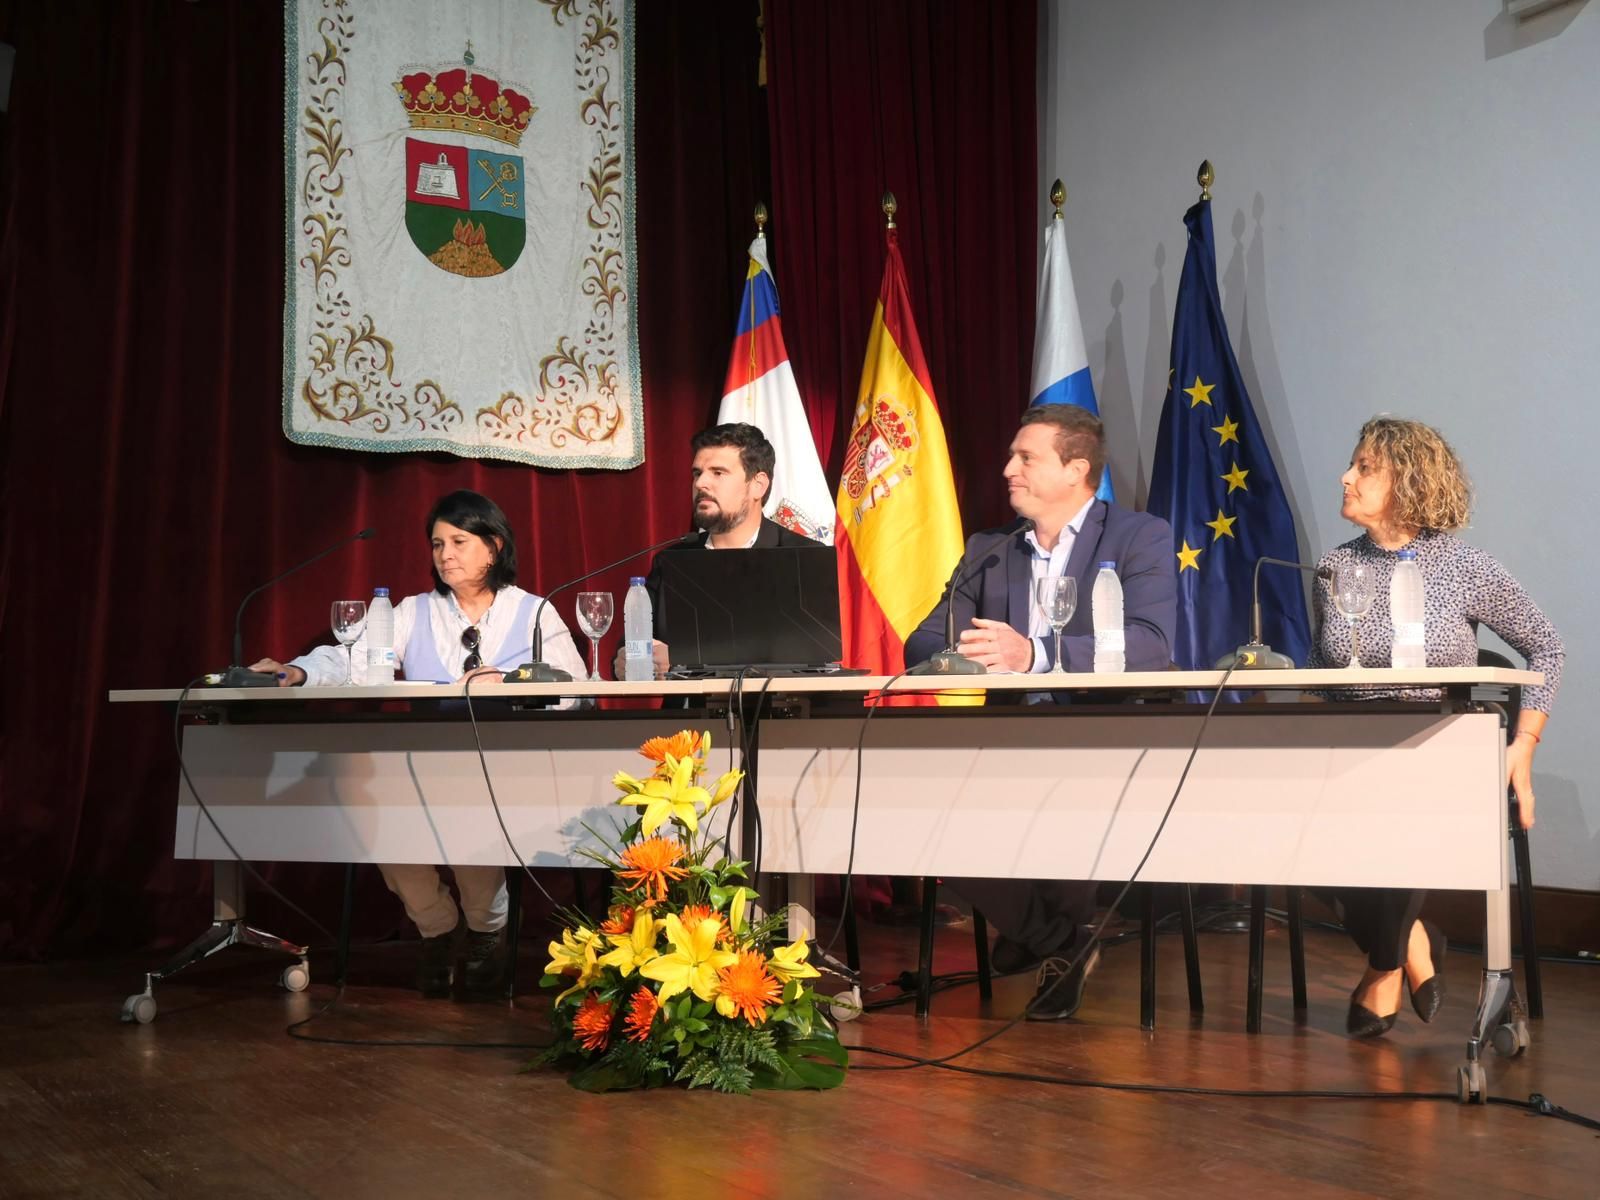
pixel 214 1099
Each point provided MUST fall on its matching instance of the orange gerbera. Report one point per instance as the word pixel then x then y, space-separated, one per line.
pixel 619 919
pixel 693 914
pixel 747 989
pixel 591 1025
pixel 652 865
pixel 642 1014
pixel 684 744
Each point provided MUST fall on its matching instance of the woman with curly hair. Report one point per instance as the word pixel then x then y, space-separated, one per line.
pixel 1407 489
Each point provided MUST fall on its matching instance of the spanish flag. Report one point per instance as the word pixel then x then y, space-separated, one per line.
pixel 899 529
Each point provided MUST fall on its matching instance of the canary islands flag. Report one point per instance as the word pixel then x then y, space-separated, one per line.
pixel 899 529
pixel 1060 359
pixel 761 391
pixel 1215 481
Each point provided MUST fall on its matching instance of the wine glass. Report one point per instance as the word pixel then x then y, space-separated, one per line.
pixel 349 621
pixel 1057 596
pixel 595 610
pixel 1355 587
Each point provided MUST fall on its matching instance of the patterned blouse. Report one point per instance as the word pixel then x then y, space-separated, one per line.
pixel 1462 586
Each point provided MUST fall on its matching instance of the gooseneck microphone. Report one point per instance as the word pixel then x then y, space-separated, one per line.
pixel 951 661
pixel 240 676
pixel 539 671
pixel 1256 655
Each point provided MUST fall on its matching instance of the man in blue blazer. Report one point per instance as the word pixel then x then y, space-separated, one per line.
pixel 1052 475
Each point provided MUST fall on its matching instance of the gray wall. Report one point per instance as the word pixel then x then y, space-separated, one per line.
pixel 1405 211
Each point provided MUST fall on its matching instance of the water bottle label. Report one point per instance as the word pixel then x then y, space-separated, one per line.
pixel 1110 641
pixel 1408 633
pixel 381 656
pixel 638 649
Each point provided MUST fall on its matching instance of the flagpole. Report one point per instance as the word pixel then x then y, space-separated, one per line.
pixel 890 207
pixel 1058 197
pixel 1205 177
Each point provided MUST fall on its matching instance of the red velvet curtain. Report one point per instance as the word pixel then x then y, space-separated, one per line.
pixel 147 482
pixel 936 102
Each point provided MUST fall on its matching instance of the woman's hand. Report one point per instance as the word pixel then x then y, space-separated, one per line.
pixel 1519 775
pixel 288 675
pixel 482 677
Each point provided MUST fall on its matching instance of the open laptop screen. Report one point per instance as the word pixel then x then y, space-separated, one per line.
pixel 751 608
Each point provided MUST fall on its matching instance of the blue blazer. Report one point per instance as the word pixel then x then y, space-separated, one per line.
pixel 996 582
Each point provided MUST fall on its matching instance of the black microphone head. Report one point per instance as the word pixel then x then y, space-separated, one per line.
pixel 365 534
pixel 1325 573
pixel 1024 525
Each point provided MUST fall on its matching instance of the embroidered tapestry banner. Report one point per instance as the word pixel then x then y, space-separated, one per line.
pixel 461 262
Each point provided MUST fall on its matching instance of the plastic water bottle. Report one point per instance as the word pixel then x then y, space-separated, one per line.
pixel 1110 644
pixel 1406 612
pixel 638 628
pixel 380 638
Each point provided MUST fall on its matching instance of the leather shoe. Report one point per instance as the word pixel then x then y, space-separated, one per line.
pixel 1060 989
pixel 483 966
pixel 436 963
pixel 1362 1022
pixel 1428 998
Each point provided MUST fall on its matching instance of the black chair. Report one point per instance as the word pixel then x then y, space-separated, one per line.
pixel 1533 985
pixel 980 936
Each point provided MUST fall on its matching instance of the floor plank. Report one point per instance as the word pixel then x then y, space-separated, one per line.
pixel 214 1097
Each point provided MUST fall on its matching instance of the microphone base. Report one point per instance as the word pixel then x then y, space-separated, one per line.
pixel 243 677
pixel 1255 656
pixel 949 662
pixel 538 672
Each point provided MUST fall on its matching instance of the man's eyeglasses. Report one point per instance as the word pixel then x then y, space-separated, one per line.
pixel 470 638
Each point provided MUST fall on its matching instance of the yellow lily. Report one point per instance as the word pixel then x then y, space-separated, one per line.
pixel 736 907
pixel 574 954
pixel 789 962
pixel 693 963
pixel 633 950
pixel 624 782
pixel 673 797
pixel 726 786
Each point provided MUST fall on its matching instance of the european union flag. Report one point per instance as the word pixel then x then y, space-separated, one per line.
pixel 1215 481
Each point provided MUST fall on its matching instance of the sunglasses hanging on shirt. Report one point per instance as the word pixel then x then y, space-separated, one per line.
pixel 470 640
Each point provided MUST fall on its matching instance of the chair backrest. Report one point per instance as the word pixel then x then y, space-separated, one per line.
pixel 1489 658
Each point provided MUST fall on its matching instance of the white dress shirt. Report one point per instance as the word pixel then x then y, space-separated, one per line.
pixel 325 665
pixel 1046 563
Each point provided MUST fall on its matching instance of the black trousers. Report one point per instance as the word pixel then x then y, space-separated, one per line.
pixel 1379 919
pixel 1048 916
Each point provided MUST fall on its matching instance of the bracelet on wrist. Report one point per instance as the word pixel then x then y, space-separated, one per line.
pixel 1529 733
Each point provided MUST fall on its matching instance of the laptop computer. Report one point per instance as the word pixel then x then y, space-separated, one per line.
pixel 758 612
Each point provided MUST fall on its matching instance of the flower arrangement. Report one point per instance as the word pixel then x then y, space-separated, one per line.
pixel 679 984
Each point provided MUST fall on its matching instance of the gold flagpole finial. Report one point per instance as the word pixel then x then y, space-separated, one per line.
pixel 761 220
pixel 1205 176
pixel 1058 196
pixel 890 207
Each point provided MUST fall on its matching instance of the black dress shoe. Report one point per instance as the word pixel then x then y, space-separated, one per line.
pixel 1060 989
pixel 1008 958
pixel 1428 998
pixel 483 966
pixel 1362 1022
pixel 436 963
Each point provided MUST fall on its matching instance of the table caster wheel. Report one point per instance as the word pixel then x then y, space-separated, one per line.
pixel 1471 1087
pixel 296 977
pixel 846 1006
pixel 139 1009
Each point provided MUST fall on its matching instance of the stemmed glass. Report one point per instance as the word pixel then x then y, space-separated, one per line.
pixel 1057 596
pixel 349 621
pixel 1355 587
pixel 595 610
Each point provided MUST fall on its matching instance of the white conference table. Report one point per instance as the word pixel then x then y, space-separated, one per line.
pixel 1368 794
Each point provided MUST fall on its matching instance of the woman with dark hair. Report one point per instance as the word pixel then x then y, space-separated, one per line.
pixel 1407 490
pixel 475 622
